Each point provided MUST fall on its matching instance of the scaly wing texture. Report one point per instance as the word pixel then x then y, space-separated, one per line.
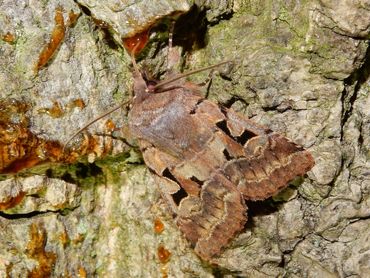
pixel 270 160
pixel 210 159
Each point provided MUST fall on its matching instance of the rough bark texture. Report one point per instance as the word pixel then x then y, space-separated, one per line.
pixel 301 68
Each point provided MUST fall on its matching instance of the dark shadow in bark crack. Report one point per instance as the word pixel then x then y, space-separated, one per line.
pixel 191 30
pixel 358 77
pixel 78 173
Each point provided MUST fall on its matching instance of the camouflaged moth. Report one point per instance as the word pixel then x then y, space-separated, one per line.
pixel 208 159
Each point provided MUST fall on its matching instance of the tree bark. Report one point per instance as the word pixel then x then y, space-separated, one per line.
pixel 300 68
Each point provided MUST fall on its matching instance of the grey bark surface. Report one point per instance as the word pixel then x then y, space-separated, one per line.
pixel 301 68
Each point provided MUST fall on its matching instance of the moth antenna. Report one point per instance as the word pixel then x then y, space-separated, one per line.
pixel 186 74
pixel 93 121
pixel 137 71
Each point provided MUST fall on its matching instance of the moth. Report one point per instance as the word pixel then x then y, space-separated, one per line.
pixel 208 159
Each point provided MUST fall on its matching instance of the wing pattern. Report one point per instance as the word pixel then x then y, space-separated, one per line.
pixel 208 160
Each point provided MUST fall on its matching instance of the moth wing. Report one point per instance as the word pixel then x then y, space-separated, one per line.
pixel 209 215
pixel 270 160
pixel 235 159
pixel 212 220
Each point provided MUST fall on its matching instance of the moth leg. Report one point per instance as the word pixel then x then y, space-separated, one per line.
pixel 208 80
pixel 170 35
pixel 202 87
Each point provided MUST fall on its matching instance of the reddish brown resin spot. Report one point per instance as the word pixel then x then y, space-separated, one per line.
pixel 135 44
pixel 9 38
pixel 56 39
pixel 12 201
pixel 158 226
pixel 163 254
pixel 36 250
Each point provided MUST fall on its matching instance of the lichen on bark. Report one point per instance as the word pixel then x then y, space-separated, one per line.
pixel 300 67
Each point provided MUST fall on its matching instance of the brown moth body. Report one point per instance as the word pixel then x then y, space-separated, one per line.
pixel 209 159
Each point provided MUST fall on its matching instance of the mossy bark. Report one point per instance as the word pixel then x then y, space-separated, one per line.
pixel 301 68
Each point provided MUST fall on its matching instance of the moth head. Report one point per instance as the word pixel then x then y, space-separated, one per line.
pixel 140 85
pixel 143 86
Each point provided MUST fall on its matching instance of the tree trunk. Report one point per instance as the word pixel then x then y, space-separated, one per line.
pixel 300 67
